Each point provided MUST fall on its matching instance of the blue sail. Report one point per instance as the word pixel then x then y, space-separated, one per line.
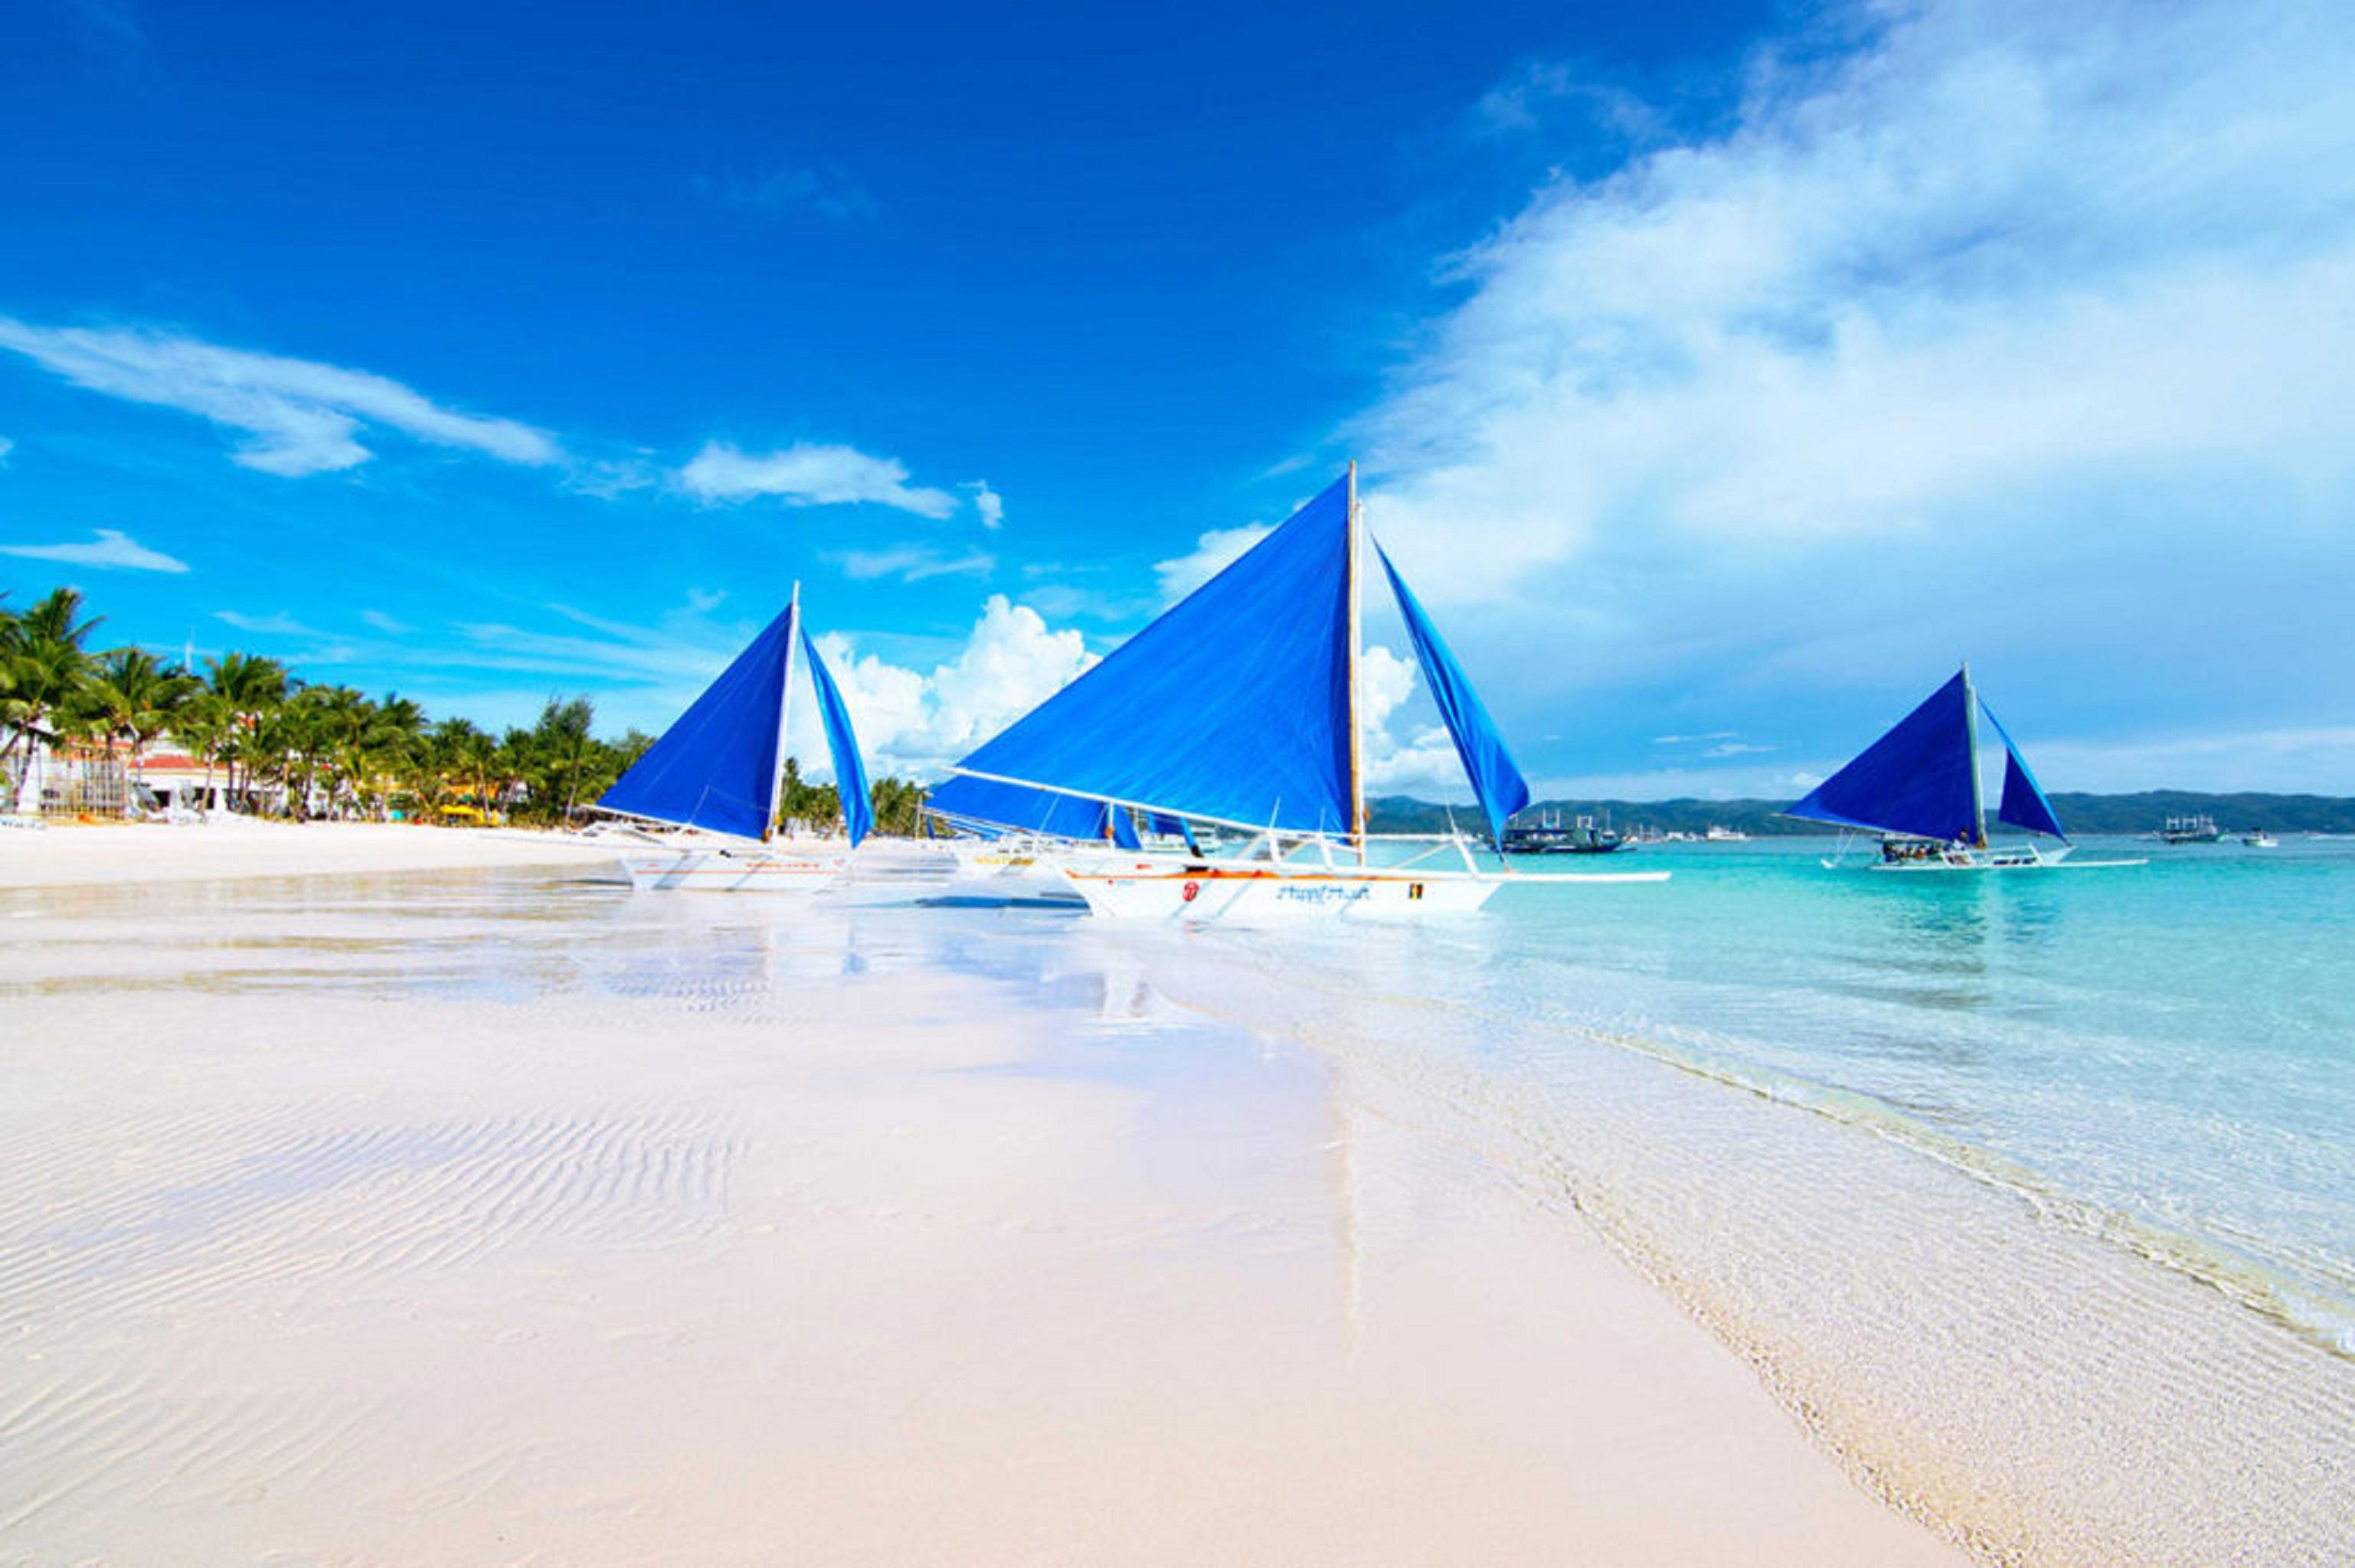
pixel 1495 778
pixel 987 804
pixel 1124 828
pixel 715 768
pixel 842 745
pixel 2024 805
pixel 1234 705
pixel 1915 779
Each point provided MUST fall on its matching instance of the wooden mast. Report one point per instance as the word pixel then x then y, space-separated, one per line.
pixel 1357 742
pixel 785 708
pixel 1978 789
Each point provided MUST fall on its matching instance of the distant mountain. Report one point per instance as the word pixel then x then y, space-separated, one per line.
pixel 2081 813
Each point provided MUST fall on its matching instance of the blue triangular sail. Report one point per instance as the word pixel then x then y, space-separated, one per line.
pixel 715 768
pixel 842 745
pixel 1234 705
pixel 1495 778
pixel 1916 780
pixel 990 806
pixel 1123 826
pixel 2024 805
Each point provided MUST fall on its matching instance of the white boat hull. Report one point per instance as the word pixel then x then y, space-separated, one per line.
pixel 1249 894
pixel 748 870
pixel 2028 858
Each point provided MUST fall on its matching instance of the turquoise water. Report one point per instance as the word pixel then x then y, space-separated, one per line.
pixel 2173 1046
pixel 2032 1195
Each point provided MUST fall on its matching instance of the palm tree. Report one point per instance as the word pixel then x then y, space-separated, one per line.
pixel 203 723
pixel 566 726
pixel 47 669
pixel 249 689
pixel 134 696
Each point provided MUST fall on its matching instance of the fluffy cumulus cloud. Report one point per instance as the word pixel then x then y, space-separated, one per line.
pixel 2007 293
pixel 1212 553
pixel 108 549
pixel 1422 761
pixel 809 474
pixel 918 721
pixel 296 416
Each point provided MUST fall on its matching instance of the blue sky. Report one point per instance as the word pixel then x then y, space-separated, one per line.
pixel 1721 373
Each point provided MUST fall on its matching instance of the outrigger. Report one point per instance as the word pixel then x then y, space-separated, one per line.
pixel 1919 788
pixel 699 810
pixel 1272 752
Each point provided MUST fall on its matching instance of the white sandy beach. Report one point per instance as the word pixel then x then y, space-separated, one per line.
pixel 229 845
pixel 500 1216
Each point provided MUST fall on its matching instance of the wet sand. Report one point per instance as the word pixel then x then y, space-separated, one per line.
pixel 504 1216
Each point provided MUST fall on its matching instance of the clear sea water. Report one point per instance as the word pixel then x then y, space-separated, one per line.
pixel 2033 1196
pixel 2032 1192
pixel 2173 1046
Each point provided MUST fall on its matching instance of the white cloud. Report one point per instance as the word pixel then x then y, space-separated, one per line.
pixel 1424 763
pixel 808 475
pixel 385 623
pixel 912 563
pixel 1212 553
pixel 703 601
pixel 2002 243
pixel 109 549
pixel 1959 343
pixel 987 503
pixel 912 722
pixel 2288 760
pixel 1538 88
pixel 279 625
pixel 299 416
pixel 6 446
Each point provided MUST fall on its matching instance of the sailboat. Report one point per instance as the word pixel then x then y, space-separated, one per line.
pixel 702 801
pixel 1011 833
pixel 1237 708
pixel 1919 788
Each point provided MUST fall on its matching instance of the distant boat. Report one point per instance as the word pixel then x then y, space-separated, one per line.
pixel 1721 836
pixel 2257 838
pixel 1237 708
pixel 702 801
pixel 1919 788
pixel 1546 835
pixel 2197 829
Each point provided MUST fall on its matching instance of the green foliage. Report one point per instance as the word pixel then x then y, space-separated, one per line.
pixel 282 743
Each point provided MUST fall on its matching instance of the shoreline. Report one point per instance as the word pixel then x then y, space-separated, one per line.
pixel 229 846
pixel 604 1227
pixel 2010 1368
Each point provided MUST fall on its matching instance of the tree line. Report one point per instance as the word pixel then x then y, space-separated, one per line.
pixel 286 747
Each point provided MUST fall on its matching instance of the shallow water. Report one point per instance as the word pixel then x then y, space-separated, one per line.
pixel 2040 1203
pixel 2031 1194
pixel 2173 1046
